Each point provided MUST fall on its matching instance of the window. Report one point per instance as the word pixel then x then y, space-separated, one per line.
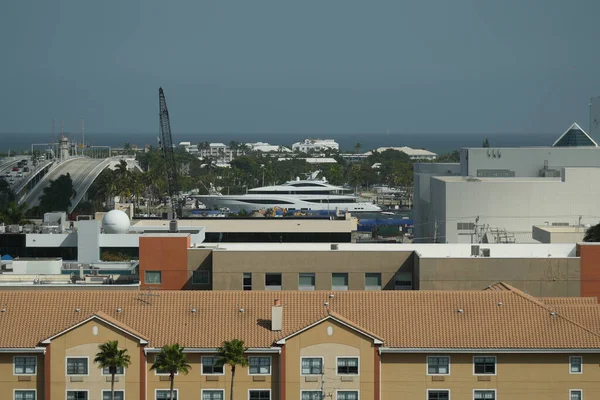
pixel 372 281
pixel 339 281
pixel 118 371
pixel 164 395
pixel 259 365
pixel 77 366
pixel 438 365
pixel 347 366
pixel 576 394
pixel 209 366
pixel 484 395
pixel 438 395
pixel 212 395
pixel 259 395
pixel 153 277
pixel 347 395
pixel 576 365
pixel 25 365
pixel 247 280
pixel 77 395
pixel 273 281
pixel 312 366
pixel 119 395
pixel 306 281
pixel 311 395
pixel 484 365
pixel 26 395
pixel 201 277
pixel 403 281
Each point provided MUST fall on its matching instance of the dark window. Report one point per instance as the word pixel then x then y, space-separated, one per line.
pixel 212 395
pixel 485 365
pixel 273 281
pixel 77 395
pixel 484 395
pixel 201 277
pixel 339 281
pixel 306 281
pixel 311 395
pixel 247 280
pixel 260 365
pixel 26 395
pixel 438 365
pixel 118 371
pixel 347 395
pixel 575 364
pixel 438 395
pixel 260 395
pixel 209 366
pixel 164 395
pixel 312 366
pixel 153 277
pixel 77 366
pixel 347 366
pixel 25 365
pixel 119 395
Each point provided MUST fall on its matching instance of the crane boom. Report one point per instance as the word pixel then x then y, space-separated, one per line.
pixel 168 153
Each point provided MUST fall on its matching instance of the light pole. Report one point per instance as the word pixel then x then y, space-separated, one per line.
pixel 262 166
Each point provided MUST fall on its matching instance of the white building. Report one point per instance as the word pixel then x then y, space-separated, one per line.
pixel 475 210
pixel 414 154
pixel 315 145
pixel 267 148
pixel 220 152
pixel 189 147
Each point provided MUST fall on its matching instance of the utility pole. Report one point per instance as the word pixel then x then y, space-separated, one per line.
pixel 435 230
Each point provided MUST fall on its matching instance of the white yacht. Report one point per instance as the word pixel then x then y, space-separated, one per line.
pixel 309 194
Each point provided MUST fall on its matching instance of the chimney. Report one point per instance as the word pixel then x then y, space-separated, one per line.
pixel 276 316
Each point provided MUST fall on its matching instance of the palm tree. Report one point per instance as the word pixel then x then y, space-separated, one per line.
pixel 232 354
pixel 112 358
pixel 171 360
pixel 14 213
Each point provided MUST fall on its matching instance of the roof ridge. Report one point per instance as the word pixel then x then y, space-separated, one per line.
pixel 539 303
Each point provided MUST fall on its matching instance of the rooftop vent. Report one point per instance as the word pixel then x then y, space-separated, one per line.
pixel 500 304
pixel 119 309
pixel 485 252
pixel 460 311
pixel 335 246
pixel 194 310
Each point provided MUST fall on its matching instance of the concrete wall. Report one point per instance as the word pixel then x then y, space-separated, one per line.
pixel 538 277
pixel 229 266
pixel 422 195
pixel 518 377
pixel 515 205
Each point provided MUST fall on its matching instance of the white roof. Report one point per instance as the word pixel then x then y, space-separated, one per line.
pixel 185 143
pixel 218 145
pixel 406 150
pixel 312 160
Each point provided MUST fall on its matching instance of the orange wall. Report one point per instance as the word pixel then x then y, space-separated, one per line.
pixel 590 269
pixel 168 255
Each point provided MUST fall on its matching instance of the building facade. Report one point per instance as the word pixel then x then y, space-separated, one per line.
pixel 315 145
pixel 305 346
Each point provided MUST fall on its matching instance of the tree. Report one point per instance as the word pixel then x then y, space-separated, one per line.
pixel 111 357
pixel 592 234
pixel 357 147
pixel 171 360
pixel 58 194
pixel 14 213
pixel 232 354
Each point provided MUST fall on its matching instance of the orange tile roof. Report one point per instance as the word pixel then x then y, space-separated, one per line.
pixel 402 319
pixel 568 300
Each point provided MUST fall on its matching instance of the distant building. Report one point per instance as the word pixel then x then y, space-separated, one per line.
pixel 220 152
pixel 312 160
pixel 575 137
pixel 268 148
pixel 414 154
pixel 189 147
pixel 315 145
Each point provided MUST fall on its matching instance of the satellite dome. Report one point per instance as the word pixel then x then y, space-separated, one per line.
pixel 115 221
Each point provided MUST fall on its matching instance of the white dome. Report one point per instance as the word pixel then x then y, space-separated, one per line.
pixel 115 221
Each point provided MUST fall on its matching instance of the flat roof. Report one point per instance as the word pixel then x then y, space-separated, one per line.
pixel 561 229
pixel 473 179
pixel 252 225
pixel 425 250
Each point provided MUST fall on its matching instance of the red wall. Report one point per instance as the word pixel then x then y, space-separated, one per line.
pixel 168 255
pixel 590 269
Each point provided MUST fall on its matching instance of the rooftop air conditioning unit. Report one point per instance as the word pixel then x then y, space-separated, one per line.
pixel 485 252
pixel 334 246
pixel 474 250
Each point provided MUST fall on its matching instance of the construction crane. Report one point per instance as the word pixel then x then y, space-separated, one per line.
pixel 169 154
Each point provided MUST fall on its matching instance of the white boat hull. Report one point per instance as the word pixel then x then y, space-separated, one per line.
pixel 250 202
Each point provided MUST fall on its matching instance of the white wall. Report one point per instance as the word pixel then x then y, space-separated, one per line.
pixel 516 204
pixel 34 267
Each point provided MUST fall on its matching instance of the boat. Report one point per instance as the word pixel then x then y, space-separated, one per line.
pixel 311 194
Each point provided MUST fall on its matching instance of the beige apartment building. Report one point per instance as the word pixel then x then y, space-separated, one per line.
pixel 498 343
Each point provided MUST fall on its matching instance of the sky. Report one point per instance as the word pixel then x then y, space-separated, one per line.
pixel 311 66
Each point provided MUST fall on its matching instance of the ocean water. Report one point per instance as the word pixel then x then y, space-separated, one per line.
pixel 436 142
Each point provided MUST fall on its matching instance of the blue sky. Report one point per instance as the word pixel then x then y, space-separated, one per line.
pixel 335 66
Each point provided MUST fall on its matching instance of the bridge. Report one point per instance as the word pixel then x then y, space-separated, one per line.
pixel 83 172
